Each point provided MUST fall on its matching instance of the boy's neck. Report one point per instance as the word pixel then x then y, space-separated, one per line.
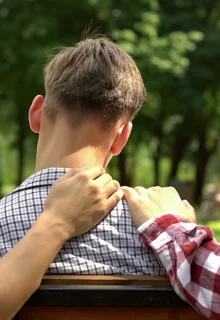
pixel 60 158
pixel 61 145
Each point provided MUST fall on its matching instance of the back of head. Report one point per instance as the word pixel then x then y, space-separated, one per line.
pixel 93 80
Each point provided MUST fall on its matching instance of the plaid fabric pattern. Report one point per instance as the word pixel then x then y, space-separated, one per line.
pixel 112 247
pixel 191 257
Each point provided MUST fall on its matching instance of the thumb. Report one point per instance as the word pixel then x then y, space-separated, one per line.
pixel 191 210
pixel 129 193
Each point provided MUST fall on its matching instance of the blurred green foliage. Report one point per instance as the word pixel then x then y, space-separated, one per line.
pixel 215 226
pixel 176 45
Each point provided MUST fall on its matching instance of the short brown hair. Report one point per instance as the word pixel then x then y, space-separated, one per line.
pixel 94 79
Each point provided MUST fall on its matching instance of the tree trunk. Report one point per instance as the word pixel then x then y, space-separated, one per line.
pixel 1 168
pixel 1 184
pixel 218 156
pixel 202 158
pixel 131 171
pixel 177 154
pixel 20 145
pixel 200 177
pixel 122 162
pixel 156 159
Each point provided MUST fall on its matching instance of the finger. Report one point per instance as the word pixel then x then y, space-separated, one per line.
pixel 71 173
pixel 129 193
pixel 171 189
pixel 95 172
pixel 103 180
pixel 156 188
pixel 153 189
pixel 190 208
pixel 140 190
pixel 113 200
pixel 111 187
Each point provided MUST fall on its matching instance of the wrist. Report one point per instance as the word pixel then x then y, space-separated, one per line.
pixel 53 227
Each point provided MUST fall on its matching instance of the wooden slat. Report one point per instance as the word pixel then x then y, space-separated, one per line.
pixel 83 297
pixel 36 313
pixel 106 280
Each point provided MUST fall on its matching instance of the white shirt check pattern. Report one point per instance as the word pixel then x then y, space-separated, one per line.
pixel 112 247
pixel 191 256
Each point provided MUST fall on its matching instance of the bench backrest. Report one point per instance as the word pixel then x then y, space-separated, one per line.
pixel 106 297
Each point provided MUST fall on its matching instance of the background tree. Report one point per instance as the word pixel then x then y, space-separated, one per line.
pixel 176 45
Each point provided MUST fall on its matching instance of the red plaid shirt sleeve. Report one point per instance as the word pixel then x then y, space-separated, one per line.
pixel 191 257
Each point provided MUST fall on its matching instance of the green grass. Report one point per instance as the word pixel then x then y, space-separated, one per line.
pixel 215 226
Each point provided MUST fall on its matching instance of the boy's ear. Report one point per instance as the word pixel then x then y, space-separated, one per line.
pixel 121 139
pixel 35 113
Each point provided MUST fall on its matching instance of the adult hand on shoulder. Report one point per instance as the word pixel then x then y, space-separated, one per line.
pixel 76 203
pixel 145 204
pixel 79 201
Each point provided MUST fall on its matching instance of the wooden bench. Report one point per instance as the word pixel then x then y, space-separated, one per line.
pixel 106 297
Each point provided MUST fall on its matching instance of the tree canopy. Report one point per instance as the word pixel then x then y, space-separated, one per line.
pixel 176 45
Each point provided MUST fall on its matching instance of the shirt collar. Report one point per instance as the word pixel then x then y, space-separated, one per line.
pixel 41 178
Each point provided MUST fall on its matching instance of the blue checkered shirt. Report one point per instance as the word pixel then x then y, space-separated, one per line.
pixel 112 247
